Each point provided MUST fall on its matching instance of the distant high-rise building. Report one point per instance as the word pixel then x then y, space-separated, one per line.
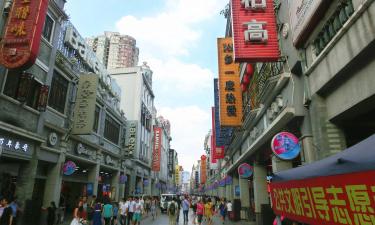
pixel 115 50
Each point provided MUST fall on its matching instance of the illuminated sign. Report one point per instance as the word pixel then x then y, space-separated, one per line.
pixel 285 146
pixel 13 145
pixel 229 85
pixel 84 109
pixel 339 199
pixel 254 31
pixel 20 44
pixel 156 156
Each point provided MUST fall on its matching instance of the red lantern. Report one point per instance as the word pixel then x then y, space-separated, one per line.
pixel 249 70
pixel 244 87
pixel 246 79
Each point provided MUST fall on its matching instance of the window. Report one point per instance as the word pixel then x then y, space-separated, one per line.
pixel 59 89
pixel 111 129
pixel 23 87
pixel 48 28
pixel 96 119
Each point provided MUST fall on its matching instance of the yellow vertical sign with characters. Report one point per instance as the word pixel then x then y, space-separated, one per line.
pixel 177 174
pixel 229 85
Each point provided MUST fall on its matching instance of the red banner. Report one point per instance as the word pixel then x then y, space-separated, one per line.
pixel 217 152
pixel 254 31
pixel 156 154
pixel 341 199
pixel 203 169
pixel 20 44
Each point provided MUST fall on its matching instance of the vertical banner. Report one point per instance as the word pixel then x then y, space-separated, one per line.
pixel 229 85
pixel 254 31
pixel 222 134
pixel 203 169
pixel 20 44
pixel 213 141
pixel 156 154
pixel 177 174
pixel 84 109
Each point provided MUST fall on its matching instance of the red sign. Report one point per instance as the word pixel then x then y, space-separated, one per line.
pixel 20 44
pixel 334 200
pixel 254 31
pixel 203 169
pixel 156 154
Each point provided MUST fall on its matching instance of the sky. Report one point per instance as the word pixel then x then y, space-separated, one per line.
pixel 177 38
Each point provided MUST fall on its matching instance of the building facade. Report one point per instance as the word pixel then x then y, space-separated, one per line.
pixel 115 50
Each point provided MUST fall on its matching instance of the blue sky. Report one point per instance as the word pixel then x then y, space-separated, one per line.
pixel 178 40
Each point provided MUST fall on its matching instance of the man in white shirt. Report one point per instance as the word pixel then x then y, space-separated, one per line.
pixel 229 209
pixel 123 211
pixel 131 209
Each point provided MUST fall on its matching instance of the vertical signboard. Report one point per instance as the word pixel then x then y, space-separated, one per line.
pixel 254 31
pixel 170 162
pixel 20 43
pixel 303 17
pixel 84 108
pixel 156 155
pixel 229 85
pixel 203 169
pixel 222 134
pixel 177 174
pixel 217 152
pixel 131 137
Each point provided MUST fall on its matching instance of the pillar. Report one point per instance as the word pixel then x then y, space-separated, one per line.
pixel 115 183
pixel 244 193
pixel 132 183
pixel 53 182
pixel 229 192
pixel 93 175
pixel 221 192
pixel 280 165
pixel 235 183
pixel 260 190
pixel 309 153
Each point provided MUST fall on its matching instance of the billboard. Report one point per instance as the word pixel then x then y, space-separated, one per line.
pixel 84 109
pixel 254 31
pixel 156 154
pixel 338 199
pixel 229 85
pixel 20 43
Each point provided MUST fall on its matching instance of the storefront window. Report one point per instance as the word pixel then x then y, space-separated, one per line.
pixel 57 98
pixel 111 129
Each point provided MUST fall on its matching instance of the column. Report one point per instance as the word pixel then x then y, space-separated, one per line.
pixel 115 183
pixel 244 192
pixel 260 190
pixel 229 192
pixel 235 183
pixel 280 165
pixel 132 183
pixel 307 139
pixel 93 175
pixel 53 182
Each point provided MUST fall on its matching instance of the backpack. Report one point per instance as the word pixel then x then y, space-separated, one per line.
pixel 172 208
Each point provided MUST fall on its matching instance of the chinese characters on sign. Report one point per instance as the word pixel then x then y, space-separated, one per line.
pixel 341 199
pixel 131 137
pixel 84 109
pixel 20 44
pixel 229 85
pixel 13 145
pixel 203 169
pixel 254 31
pixel 156 156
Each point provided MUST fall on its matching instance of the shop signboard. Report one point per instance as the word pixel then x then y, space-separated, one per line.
pixel 171 161
pixel 217 152
pixel 69 168
pixel 20 43
pixel 338 199
pixel 177 174
pixel 156 155
pixel 229 85
pixel 245 170
pixel 303 15
pixel 84 109
pixel 14 146
pixel 203 169
pixel 131 137
pixel 285 146
pixel 254 31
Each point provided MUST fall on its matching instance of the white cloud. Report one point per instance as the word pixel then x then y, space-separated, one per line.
pixel 189 125
pixel 172 31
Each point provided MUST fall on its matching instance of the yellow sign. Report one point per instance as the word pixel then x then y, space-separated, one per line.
pixel 229 85
pixel 84 109
pixel 177 174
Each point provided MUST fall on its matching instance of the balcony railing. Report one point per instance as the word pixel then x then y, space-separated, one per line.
pixel 263 74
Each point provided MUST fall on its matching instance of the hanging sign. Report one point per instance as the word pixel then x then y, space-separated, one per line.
pixel 203 169
pixel 156 155
pixel 285 146
pixel 69 168
pixel 245 170
pixel 19 46
pixel 254 31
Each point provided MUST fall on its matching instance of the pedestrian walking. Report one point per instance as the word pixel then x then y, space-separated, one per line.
pixel 178 201
pixel 123 211
pixel 153 205
pixel 200 211
pixel 115 214
pixel 51 214
pixel 185 209
pixel 208 211
pixel 15 209
pixel 107 212
pixel 77 215
pixel 223 210
pixel 138 210
pixel 97 217
pixel 172 211
pixel 230 210
pixel 194 208
pixel 7 214
pixel 131 209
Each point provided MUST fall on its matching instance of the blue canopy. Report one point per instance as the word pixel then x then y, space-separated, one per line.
pixel 360 157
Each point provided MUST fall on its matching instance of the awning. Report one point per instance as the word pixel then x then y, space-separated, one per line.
pixel 357 158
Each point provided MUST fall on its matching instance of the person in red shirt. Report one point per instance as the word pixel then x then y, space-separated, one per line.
pixel 200 211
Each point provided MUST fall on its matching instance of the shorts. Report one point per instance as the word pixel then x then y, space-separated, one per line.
pixel 137 217
pixel 200 217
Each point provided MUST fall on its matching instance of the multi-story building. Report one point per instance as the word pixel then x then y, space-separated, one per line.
pixel 115 50
pixel 137 101
pixel 185 182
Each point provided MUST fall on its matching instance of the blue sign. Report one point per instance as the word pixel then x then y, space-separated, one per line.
pixel 69 168
pixel 286 146
pixel 237 190
pixel 90 189
pixel 245 170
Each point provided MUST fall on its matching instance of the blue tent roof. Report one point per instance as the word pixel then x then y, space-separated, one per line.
pixel 360 157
